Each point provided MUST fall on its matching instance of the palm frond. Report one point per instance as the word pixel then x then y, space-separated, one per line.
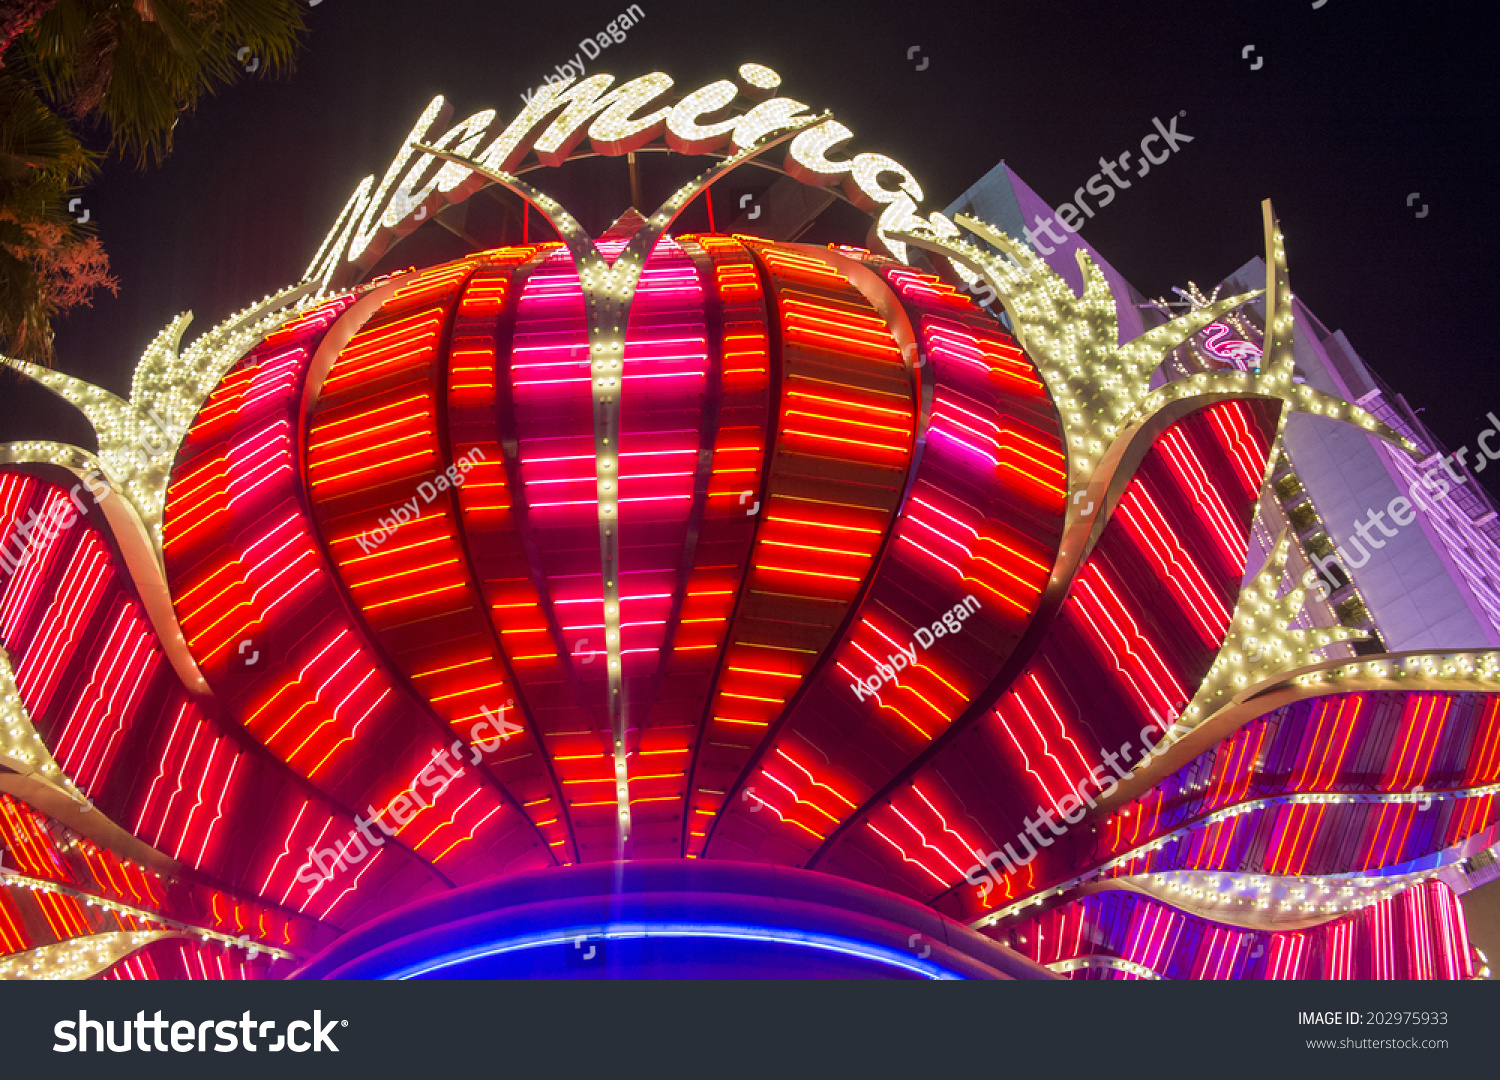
pixel 135 66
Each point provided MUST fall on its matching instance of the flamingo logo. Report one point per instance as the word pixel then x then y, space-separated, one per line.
pixel 1233 351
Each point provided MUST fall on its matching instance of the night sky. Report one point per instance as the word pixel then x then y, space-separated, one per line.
pixel 1356 106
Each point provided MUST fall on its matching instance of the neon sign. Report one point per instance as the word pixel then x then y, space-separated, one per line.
pixel 1232 351
pixel 710 119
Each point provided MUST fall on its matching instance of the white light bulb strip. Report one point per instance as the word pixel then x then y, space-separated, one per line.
pixel 78 958
pixel 1102 388
pixel 21 744
pixel 1271 898
pixel 16 879
pixel 139 439
pixel 609 291
pixel 1261 626
pixel 1104 963
pixel 1247 807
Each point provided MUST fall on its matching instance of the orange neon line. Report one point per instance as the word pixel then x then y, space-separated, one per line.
pixel 467 691
pixel 405 573
pixel 452 667
pixel 324 426
pixel 385 551
pixel 810 547
pixel 383 465
pixel 810 573
pixel 826 524
pixel 419 432
pixel 864 406
pixel 866 443
pixel 413 596
pixel 841 420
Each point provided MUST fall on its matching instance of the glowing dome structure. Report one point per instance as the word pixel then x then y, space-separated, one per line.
pixel 680 603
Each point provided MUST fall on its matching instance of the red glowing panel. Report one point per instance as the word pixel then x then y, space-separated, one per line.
pixel 91 733
pixel 665 373
pixel 929 832
pixel 1117 660
pixel 844 440
pixel 1050 754
pixel 13 936
pixel 549 388
pixel 1332 738
pixel 1484 759
pixel 714 534
pixel 1237 764
pixel 53 643
pixel 1245 442
pixel 95 683
pixel 926 696
pixel 183 809
pixel 974 540
pixel 396 535
pixel 1121 640
pixel 799 795
pixel 322 696
pixel 1182 453
pixel 980 554
pixel 1416 740
pixel 1419 934
pixel 1156 538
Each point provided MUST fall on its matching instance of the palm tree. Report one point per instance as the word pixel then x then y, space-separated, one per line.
pixel 49 263
pixel 128 67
